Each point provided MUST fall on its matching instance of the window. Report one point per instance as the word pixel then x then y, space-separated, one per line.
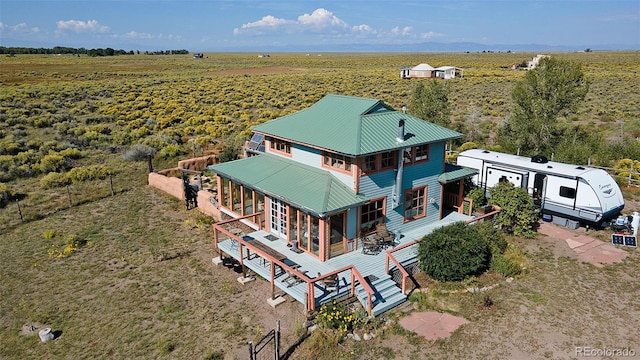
pixel 567 192
pixel 248 201
pixel 421 153
pixel 370 163
pixel 224 199
pixel 415 203
pixel 388 160
pixel 339 162
pixel 280 146
pixel 407 155
pixel 371 214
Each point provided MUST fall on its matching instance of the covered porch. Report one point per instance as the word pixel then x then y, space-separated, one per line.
pixel 452 181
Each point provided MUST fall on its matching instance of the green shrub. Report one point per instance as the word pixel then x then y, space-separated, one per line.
pixel 504 266
pixel 494 237
pixel 52 162
pixel 171 151
pixel 454 252
pixel 477 195
pixel 54 180
pixel 468 145
pixel 518 214
pixel 229 153
pixel 88 173
pixel 335 316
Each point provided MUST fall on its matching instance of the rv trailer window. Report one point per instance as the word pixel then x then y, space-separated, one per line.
pixel 567 192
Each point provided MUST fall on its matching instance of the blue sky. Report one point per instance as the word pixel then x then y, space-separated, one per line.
pixel 199 25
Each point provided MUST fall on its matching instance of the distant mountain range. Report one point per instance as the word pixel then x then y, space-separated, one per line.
pixel 437 47
pixel 361 47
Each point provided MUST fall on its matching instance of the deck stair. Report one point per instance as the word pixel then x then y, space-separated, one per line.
pixel 387 294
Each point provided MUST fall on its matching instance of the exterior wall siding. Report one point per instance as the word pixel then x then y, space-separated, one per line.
pixel 313 157
pixel 416 175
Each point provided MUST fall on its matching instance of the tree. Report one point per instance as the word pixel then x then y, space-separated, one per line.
pixel 431 102
pixel 518 213
pixel 554 87
pixel 139 152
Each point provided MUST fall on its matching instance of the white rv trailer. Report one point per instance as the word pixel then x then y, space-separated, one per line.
pixel 588 195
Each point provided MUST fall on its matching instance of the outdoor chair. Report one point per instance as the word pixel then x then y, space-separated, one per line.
pixel 330 283
pixel 384 237
pixel 371 246
pixel 291 279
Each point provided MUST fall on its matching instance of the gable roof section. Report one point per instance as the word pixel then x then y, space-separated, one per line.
pixel 353 126
pixel 311 189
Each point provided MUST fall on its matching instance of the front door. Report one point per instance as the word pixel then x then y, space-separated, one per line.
pixel 336 235
pixel 278 218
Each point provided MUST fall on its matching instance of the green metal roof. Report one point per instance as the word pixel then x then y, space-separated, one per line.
pixel 453 173
pixel 353 126
pixel 311 189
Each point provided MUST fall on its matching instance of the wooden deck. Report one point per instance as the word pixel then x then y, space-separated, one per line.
pixel 372 267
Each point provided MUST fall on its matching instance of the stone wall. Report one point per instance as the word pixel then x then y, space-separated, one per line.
pixel 199 163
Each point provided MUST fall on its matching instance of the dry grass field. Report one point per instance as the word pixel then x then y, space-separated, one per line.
pixel 130 276
pixel 143 286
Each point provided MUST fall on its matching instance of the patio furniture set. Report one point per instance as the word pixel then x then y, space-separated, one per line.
pixel 381 239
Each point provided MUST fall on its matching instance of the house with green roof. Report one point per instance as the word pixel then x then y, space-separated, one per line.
pixel 323 178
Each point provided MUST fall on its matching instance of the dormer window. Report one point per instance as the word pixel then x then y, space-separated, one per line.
pixel 280 146
pixel 337 162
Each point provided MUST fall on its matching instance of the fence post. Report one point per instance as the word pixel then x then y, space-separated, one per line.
pixel 630 173
pixel 251 354
pixel 69 196
pixel 277 340
pixel 19 211
pixel 111 184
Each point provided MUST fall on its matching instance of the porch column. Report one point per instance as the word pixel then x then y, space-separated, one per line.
pixel 461 196
pixel 273 280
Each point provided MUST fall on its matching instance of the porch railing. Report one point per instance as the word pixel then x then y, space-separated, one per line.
pixel 390 258
pixel 458 203
pixel 310 303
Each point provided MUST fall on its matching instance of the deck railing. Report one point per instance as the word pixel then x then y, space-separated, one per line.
pixel 390 258
pixel 311 303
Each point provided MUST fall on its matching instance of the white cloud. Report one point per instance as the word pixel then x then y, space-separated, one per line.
pixel 430 35
pixel 405 31
pixel 364 29
pixel 136 35
pixel 79 26
pixel 19 28
pixel 267 22
pixel 319 20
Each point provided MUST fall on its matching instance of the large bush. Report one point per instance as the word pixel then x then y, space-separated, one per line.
pixel 518 213
pixel 455 252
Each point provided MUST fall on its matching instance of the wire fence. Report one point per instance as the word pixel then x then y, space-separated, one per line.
pixel 30 205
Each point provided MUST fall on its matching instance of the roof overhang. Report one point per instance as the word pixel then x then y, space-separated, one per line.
pixel 311 189
pixel 454 173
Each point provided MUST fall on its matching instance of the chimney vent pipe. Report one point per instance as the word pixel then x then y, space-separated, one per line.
pixel 400 130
